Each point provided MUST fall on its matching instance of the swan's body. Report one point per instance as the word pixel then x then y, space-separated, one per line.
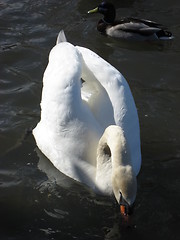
pixel 128 28
pixel 71 132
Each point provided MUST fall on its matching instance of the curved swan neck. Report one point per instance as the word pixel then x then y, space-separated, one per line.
pixel 113 145
pixel 112 159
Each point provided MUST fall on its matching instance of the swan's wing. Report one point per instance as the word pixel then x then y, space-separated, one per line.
pixel 67 133
pixel 120 96
pixel 96 69
pixel 93 91
pixel 97 99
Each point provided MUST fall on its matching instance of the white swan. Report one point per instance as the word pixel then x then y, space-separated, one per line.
pixel 89 132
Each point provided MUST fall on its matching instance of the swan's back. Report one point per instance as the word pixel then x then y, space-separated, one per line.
pixel 67 133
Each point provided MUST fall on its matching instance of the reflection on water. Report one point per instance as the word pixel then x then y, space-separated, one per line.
pixel 38 202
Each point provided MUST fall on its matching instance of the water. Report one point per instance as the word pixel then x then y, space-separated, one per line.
pixel 38 202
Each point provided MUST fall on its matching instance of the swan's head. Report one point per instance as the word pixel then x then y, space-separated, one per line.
pixel 124 186
pixel 113 153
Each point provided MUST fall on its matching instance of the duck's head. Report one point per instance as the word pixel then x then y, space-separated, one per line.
pixel 107 9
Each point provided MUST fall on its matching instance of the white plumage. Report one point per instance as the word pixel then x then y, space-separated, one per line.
pixel 74 117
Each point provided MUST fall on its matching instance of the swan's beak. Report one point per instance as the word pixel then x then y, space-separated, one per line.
pixel 125 215
pixel 95 10
pixel 126 210
pixel 123 210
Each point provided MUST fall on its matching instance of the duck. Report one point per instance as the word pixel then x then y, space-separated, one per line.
pixel 128 28
pixel 89 126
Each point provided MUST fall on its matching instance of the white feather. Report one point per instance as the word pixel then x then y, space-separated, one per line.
pixel 74 117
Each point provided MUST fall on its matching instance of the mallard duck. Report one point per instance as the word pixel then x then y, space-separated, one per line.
pixel 128 28
pixel 89 132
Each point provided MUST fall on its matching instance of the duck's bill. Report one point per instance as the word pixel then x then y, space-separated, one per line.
pixel 95 10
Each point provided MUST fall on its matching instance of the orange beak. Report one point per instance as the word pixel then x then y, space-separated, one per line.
pixel 126 210
pixel 123 210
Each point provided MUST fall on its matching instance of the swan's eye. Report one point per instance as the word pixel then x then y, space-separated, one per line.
pixel 107 151
pixel 120 197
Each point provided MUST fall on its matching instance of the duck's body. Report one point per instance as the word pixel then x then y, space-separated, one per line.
pixel 71 132
pixel 129 28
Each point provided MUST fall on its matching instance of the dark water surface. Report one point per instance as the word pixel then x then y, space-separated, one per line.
pixel 38 202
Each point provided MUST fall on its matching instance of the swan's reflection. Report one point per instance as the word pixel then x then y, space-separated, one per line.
pixel 62 187
pixel 56 179
pixel 53 174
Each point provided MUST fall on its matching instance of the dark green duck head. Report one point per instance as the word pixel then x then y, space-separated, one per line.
pixel 108 10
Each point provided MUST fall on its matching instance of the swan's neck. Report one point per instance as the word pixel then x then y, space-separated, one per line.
pixel 113 145
pixel 112 152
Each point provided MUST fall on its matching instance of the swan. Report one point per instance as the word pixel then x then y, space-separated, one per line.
pixel 89 129
pixel 128 28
